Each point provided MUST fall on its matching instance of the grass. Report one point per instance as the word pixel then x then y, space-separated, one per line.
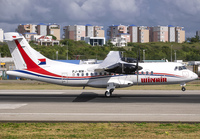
pixel 96 130
pixel 99 130
pixel 34 85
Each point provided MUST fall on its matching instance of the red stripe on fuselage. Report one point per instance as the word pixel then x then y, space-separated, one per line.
pixel 31 65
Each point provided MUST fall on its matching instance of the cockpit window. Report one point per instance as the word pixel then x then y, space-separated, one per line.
pixel 180 68
pixel 184 67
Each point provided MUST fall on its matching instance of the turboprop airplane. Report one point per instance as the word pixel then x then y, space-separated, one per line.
pixel 113 72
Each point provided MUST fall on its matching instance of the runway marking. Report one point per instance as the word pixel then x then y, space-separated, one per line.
pixel 11 106
pixel 97 114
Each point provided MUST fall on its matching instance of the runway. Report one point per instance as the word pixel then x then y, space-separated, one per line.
pixel 92 106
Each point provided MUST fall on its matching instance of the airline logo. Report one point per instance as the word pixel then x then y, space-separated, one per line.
pixel 42 61
pixel 153 80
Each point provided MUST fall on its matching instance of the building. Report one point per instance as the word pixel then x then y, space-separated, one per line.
pixel 1 35
pixel 179 35
pixel 29 30
pixel 89 30
pixel 198 33
pixel 114 30
pixel 93 35
pixel 158 34
pixel 143 34
pixel 98 31
pixel 94 41
pixel 26 28
pixel 74 32
pixel 54 29
pixel 44 40
pixel 41 29
pixel 28 36
pixel 171 33
pixel 133 31
pixel 119 41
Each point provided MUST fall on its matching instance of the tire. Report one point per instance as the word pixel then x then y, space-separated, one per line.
pixel 107 94
pixel 183 88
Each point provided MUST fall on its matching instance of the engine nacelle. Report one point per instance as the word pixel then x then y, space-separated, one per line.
pixel 123 68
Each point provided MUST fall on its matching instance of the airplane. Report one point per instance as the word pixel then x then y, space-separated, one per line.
pixel 113 72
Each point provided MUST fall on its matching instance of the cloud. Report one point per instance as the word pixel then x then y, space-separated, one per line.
pixel 101 12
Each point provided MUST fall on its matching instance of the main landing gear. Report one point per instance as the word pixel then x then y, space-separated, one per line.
pixel 110 89
pixel 183 86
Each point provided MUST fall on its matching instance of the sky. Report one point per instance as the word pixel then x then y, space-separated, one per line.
pixel 184 13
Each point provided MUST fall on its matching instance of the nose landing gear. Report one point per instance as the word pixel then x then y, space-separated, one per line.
pixel 183 86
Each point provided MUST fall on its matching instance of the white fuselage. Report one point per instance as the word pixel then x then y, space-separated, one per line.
pixel 84 75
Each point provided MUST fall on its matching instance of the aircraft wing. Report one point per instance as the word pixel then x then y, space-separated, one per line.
pixel 113 63
pixel 113 57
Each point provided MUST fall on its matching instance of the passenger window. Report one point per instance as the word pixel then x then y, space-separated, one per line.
pixel 96 74
pixel 91 74
pixel 147 72
pixel 86 74
pixel 82 74
pixel 77 74
pixel 142 72
pixel 100 73
pixel 104 73
pixel 151 72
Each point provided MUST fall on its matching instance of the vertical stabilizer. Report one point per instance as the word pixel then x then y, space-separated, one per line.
pixel 24 56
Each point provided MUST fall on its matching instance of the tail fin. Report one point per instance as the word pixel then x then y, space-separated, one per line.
pixel 24 56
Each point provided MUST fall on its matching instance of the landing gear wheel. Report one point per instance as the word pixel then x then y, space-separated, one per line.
pixel 107 94
pixel 183 88
pixel 111 90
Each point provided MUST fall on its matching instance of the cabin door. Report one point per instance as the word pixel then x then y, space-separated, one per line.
pixel 64 78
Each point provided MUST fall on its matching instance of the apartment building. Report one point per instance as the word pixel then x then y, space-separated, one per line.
pixel 93 35
pixel 74 32
pixel 171 33
pixel 114 30
pixel 54 29
pixel 26 28
pixel 158 34
pixel 41 29
pixel 143 34
pixel 133 31
pixel 29 30
pixel 89 30
pixel 98 31
pixel 179 35
pixel 1 35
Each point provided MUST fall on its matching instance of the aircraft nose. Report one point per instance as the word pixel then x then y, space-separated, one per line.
pixel 194 76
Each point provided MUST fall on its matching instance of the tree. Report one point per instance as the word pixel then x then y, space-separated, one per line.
pixel 194 39
pixel 53 37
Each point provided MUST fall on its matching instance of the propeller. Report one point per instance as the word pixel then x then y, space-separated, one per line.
pixel 137 67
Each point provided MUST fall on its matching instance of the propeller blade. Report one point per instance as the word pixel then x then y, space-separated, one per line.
pixel 137 65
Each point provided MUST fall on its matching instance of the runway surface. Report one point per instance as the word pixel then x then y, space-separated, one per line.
pixel 91 105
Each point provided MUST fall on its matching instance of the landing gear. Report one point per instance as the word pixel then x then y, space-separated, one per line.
pixel 183 88
pixel 110 89
pixel 109 93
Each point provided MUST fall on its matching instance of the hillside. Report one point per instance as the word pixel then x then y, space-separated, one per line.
pixel 153 50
